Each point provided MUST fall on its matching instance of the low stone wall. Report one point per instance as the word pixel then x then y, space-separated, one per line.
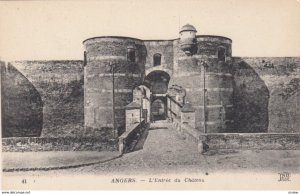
pixel 186 131
pixel 129 138
pixel 238 141
pixel 190 134
pixel 249 141
pixel 34 144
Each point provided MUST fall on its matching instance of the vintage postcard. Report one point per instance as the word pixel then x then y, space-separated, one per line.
pixel 127 95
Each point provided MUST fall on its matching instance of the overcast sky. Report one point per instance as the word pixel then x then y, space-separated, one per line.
pixel 39 30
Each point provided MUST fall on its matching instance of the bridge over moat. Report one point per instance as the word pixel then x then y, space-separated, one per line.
pixel 159 150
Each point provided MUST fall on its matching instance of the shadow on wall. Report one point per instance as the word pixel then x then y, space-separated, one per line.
pixel 22 106
pixel 250 99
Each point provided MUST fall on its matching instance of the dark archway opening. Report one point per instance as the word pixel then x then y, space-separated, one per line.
pixel 159 109
pixel 157 82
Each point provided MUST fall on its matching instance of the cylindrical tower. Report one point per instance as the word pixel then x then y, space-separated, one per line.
pixel 114 67
pixel 188 39
pixel 207 79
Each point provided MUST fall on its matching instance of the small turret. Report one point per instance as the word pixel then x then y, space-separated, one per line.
pixel 188 39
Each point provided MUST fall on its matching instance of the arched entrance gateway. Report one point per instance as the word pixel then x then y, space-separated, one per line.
pixel 157 81
pixel 158 108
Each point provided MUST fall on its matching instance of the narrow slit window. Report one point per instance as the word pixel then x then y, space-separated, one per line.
pixel 84 58
pixel 156 59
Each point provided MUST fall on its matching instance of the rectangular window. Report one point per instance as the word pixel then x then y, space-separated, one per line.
pixel 221 53
pixel 156 59
pixel 131 55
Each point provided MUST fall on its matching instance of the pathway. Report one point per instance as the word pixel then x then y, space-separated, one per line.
pixel 163 151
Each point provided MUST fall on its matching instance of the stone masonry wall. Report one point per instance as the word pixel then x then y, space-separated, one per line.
pixel 266 94
pixel 108 57
pixel 252 141
pixel 188 73
pixel 35 144
pixel 58 85
pixel 46 97
pixel 21 104
pixel 165 48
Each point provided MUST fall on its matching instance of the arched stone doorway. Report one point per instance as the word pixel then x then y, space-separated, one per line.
pixel 157 81
pixel 159 109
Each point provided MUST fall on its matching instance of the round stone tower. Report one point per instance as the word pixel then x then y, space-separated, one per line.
pixel 114 67
pixel 206 77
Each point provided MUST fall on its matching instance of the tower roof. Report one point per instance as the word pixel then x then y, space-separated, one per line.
pixel 188 27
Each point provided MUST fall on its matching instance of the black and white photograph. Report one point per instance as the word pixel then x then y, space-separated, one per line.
pixel 109 95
